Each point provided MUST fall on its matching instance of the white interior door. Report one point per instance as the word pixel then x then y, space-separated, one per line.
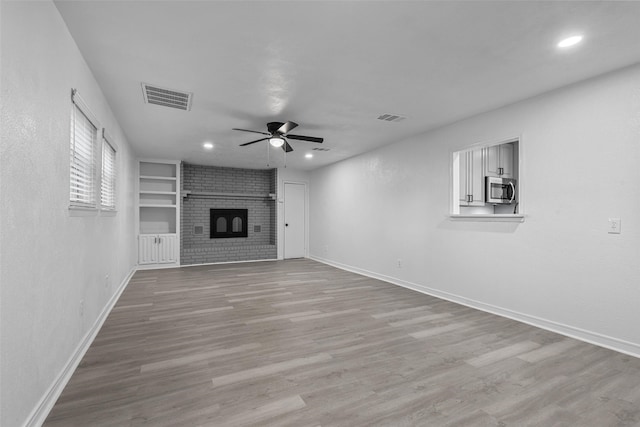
pixel 294 220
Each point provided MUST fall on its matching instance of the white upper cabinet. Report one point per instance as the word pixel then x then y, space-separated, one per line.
pixel 499 160
pixel 471 179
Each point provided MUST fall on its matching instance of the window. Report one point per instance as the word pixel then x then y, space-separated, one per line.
pixel 92 167
pixel 84 129
pixel 108 176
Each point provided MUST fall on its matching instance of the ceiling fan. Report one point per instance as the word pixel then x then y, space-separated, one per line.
pixel 277 132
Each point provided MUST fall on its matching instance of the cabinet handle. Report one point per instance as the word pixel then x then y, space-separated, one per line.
pixel 513 192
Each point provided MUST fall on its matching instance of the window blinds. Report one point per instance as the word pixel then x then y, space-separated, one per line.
pixel 84 130
pixel 108 182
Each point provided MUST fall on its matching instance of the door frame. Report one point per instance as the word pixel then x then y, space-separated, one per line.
pixel 281 219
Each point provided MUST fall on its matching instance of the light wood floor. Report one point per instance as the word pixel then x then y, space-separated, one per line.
pixel 299 343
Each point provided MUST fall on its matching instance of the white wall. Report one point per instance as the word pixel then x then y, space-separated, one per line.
pixel 559 269
pixel 290 175
pixel 50 260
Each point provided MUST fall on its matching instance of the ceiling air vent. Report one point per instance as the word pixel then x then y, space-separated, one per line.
pixel 167 97
pixel 320 149
pixel 391 118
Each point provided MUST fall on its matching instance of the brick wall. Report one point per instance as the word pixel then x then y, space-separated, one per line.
pixel 254 186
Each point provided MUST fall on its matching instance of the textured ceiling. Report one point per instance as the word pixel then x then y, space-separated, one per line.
pixel 333 67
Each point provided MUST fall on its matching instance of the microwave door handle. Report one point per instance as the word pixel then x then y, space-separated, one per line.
pixel 513 192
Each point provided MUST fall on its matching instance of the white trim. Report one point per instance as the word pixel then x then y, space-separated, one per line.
pixel 106 135
pixel 489 143
pixel 595 338
pixel 141 267
pixel 79 211
pixel 84 107
pixel 39 414
pixel 229 262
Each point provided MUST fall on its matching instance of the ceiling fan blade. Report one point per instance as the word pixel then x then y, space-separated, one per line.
pixel 253 142
pixel 306 138
pixel 287 127
pixel 253 131
pixel 286 147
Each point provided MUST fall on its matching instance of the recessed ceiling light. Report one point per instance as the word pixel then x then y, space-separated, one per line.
pixel 570 41
pixel 208 146
pixel 308 155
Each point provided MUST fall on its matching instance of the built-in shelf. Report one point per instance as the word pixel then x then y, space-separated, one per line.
pixel 158 186
pixel 158 213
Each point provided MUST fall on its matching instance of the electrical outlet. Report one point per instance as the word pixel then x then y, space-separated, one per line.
pixel 399 263
pixel 614 225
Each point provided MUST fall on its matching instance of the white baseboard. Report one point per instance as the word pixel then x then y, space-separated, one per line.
pixel 229 262
pixel 611 343
pixel 156 266
pixel 41 411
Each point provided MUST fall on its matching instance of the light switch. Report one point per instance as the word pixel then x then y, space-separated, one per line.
pixel 614 225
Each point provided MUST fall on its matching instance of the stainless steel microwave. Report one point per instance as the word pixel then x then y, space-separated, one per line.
pixel 500 190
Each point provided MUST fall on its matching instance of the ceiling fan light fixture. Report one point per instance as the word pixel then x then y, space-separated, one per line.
pixel 276 141
pixel 276 133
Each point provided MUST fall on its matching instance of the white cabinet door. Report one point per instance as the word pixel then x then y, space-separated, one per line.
pixel 157 249
pixel 506 160
pixel 463 198
pixel 492 160
pixel 147 249
pixel 499 160
pixel 471 179
pixel 167 248
pixel 476 181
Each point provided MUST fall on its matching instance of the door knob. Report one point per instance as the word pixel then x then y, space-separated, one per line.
pixel 286 224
